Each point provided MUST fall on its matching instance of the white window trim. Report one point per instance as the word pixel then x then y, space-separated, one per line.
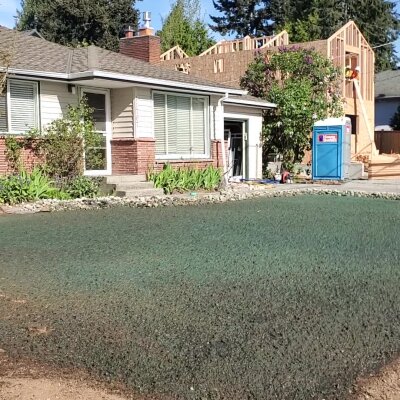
pixel 107 132
pixel 207 145
pixel 8 107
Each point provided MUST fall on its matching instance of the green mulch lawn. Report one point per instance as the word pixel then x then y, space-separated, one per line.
pixel 284 298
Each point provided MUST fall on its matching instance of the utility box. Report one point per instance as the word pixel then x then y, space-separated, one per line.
pixel 331 149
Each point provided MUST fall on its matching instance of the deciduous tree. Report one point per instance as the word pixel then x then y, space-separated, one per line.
pixel 305 86
pixel 75 22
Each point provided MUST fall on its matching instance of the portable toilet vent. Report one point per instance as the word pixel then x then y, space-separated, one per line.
pixel 331 149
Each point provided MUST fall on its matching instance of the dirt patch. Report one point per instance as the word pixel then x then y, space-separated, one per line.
pixel 384 385
pixel 29 381
pixel 60 389
pixel 25 380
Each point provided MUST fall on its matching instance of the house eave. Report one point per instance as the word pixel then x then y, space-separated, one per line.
pixel 249 103
pixel 163 83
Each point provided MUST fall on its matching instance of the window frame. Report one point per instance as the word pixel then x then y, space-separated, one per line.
pixel 36 86
pixel 207 139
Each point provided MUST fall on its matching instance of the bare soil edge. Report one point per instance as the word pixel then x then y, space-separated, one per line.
pixel 384 385
pixel 26 380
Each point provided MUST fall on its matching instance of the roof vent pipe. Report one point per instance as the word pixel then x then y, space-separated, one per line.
pixel 147 19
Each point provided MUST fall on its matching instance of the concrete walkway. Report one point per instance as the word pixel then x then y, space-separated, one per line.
pixel 368 186
pixel 378 185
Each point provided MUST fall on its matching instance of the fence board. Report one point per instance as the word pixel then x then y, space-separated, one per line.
pixel 388 142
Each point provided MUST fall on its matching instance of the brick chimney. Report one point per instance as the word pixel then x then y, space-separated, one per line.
pixel 144 45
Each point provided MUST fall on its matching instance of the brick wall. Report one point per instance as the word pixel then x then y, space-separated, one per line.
pixel 132 156
pixel 215 160
pixel 145 48
pixel 28 158
pixel 129 156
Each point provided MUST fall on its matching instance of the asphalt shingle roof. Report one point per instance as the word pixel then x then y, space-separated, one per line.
pixel 387 83
pixel 35 54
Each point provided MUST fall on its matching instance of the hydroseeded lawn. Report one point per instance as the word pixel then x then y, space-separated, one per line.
pixel 284 298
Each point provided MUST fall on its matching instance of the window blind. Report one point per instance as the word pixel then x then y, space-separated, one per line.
pixel 23 106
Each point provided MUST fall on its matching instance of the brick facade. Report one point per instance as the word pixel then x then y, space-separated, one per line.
pixel 128 155
pixel 28 158
pixel 137 156
pixel 215 160
pixel 146 48
pixel 132 156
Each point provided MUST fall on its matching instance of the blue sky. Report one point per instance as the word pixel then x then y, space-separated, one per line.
pixel 158 8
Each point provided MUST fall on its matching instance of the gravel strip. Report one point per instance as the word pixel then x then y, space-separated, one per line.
pixel 237 193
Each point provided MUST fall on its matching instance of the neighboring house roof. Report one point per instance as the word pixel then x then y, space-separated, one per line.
pixel 38 57
pixel 387 84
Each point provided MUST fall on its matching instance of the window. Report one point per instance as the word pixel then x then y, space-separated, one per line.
pixel 218 66
pixel 3 112
pixel 180 126
pixel 19 107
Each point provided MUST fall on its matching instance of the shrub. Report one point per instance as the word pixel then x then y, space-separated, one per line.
pixel 64 146
pixel 69 142
pixel 305 86
pixel 27 187
pixel 82 186
pixel 184 179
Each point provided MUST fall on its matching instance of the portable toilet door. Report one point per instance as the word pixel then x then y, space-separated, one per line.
pixel 330 150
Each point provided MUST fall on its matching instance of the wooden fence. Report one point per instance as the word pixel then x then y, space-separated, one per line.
pixel 388 142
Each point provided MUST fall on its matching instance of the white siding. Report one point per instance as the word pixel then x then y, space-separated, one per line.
pixel 143 113
pixel 54 100
pixel 122 112
pixel 254 119
pixel 217 118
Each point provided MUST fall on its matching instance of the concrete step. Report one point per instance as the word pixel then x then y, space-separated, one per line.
pixel 140 192
pixel 134 186
pixel 119 179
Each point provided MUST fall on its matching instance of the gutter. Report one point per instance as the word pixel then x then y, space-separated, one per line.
pixel 256 104
pixel 124 78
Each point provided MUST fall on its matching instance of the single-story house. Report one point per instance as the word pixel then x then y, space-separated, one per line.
pixel 147 114
pixel 387 98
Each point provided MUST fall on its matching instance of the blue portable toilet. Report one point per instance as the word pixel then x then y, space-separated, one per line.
pixel 331 149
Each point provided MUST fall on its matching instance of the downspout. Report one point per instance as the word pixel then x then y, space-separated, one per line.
pixel 223 149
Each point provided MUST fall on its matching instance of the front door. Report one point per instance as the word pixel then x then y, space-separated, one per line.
pixel 99 101
pixel 236 147
pixel 235 134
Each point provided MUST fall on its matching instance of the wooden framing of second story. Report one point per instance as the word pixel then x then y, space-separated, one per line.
pixel 227 61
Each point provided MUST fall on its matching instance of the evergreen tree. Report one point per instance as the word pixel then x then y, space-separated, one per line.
pixel 304 30
pixel 377 19
pixel 184 27
pixel 76 22
pixel 243 17
pixel 307 20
